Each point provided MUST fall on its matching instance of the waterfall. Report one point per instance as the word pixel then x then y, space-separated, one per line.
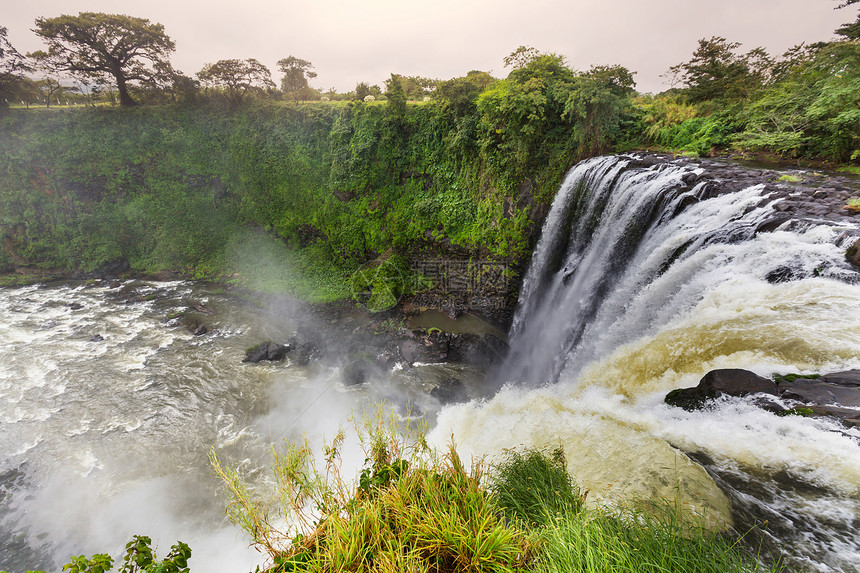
pixel 647 275
pixel 627 248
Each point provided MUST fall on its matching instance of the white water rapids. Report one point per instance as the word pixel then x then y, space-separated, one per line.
pixel 634 290
pixel 104 437
pixel 640 285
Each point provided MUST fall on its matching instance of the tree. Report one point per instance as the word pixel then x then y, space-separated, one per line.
pixel 716 72
pixel 297 72
pixel 362 90
pixel 850 31
pixel 96 46
pixel 596 106
pixel 50 88
pixel 237 77
pixel 26 91
pixel 396 97
pixel 521 57
pixel 13 66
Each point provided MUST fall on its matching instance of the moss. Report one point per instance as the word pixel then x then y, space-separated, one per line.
pixel 780 378
pixel 787 178
pixel 799 411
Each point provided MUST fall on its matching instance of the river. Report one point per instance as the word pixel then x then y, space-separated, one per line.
pixel 639 285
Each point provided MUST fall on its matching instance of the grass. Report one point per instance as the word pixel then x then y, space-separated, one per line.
pixel 596 542
pixel 790 178
pixel 416 509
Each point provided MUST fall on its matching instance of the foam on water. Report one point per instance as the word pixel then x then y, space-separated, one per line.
pixel 640 285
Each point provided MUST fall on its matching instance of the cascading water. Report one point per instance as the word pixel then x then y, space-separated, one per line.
pixel 644 279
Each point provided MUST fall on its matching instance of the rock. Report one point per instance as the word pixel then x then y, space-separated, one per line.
pixel 840 389
pixel 96 338
pixel 836 395
pixel 483 351
pixel 450 391
pixel 75 306
pixel 358 372
pixel 432 346
pixel 716 383
pixel 194 324
pixel 305 353
pixel 113 268
pixel 853 254
pixel 269 351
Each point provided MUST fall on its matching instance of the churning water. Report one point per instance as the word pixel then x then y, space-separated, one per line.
pixel 109 408
pixel 645 279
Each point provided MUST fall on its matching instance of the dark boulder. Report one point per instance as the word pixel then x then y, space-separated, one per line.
pixel 305 353
pixel 483 351
pixel 75 306
pixel 426 346
pixel 450 391
pixel 269 351
pixel 358 371
pixel 836 395
pixel 716 383
pixel 194 324
pixel 853 254
pixel 839 390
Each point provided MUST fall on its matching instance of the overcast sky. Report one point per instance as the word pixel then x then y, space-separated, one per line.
pixel 365 40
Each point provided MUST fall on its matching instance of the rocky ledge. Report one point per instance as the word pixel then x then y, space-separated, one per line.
pixel 835 395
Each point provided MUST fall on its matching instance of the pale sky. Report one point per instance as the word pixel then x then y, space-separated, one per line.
pixel 349 41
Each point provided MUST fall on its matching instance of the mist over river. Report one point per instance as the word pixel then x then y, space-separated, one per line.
pixel 109 408
pixel 643 281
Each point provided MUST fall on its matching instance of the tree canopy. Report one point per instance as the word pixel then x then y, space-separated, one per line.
pixel 717 72
pixel 297 72
pixel 237 77
pixel 13 66
pixel 100 47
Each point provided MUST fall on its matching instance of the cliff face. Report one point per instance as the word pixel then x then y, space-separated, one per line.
pixel 488 287
pixel 300 199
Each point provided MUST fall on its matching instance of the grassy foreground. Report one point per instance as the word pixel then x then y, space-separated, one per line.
pixel 417 509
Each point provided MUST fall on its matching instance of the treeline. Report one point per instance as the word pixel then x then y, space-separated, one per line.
pixel 330 185
pixel 341 183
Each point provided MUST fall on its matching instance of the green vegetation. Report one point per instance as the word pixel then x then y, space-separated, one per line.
pixel 139 558
pixel 214 183
pixel 412 508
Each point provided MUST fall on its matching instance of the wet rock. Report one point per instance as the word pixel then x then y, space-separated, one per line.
pixel 113 268
pixel 96 338
pixel 358 371
pixel 840 389
pixel 194 324
pixel 75 306
pixel 483 351
pixel 853 254
pixel 450 391
pixel 716 383
pixel 426 346
pixel 305 353
pixel 836 395
pixel 268 351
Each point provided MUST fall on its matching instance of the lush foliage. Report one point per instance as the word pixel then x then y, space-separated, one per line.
pixel 139 558
pixel 804 104
pixel 412 508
